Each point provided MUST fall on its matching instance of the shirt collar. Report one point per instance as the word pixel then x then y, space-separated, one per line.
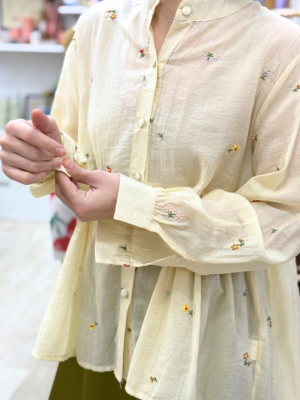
pixel 202 10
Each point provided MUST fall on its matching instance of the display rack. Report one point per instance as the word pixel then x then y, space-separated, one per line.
pixel 31 48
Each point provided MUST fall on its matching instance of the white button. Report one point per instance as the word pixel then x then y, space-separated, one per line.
pixel 137 176
pixel 186 10
pixel 76 157
pixel 141 122
pixel 124 293
pixel 154 63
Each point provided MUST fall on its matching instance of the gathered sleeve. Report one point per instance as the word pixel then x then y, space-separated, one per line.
pixel 65 112
pixel 259 222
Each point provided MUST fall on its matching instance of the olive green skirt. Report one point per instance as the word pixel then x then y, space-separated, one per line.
pixel 74 382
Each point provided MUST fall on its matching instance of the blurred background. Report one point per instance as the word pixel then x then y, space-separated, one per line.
pixel 34 233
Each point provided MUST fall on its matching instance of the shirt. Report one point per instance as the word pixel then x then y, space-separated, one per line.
pixel 190 291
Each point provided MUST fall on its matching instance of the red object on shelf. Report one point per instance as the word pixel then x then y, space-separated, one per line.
pixel 27 28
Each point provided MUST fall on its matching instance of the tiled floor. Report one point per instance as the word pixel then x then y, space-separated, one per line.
pixel 28 273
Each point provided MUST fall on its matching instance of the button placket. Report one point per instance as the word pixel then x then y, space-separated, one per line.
pixel 127 280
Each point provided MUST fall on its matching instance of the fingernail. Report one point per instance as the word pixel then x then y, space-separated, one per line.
pixel 58 162
pixel 60 151
pixel 68 164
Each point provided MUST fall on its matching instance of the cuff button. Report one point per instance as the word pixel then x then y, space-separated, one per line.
pixel 76 157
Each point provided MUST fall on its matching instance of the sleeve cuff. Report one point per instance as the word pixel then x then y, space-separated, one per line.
pixel 135 203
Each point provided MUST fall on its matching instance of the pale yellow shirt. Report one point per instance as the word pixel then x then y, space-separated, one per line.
pixel 190 291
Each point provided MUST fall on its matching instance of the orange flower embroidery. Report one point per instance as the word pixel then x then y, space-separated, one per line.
pixel 237 246
pixel 92 325
pixel 246 362
pixel 234 149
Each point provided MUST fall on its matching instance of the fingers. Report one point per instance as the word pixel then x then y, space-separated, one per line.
pixel 17 161
pixel 28 133
pixel 60 194
pixel 18 146
pixel 67 187
pixel 24 177
pixel 81 175
pixel 45 124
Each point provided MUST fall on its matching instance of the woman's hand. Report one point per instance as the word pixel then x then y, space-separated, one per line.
pixel 99 202
pixel 29 148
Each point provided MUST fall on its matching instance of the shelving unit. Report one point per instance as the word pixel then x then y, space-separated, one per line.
pixel 31 48
pixel 72 10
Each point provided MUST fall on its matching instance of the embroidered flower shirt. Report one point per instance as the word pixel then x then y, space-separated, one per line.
pixel 190 291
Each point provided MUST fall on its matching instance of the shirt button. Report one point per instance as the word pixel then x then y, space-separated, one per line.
pixel 137 176
pixel 186 10
pixel 154 63
pixel 124 293
pixel 141 122
pixel 76 157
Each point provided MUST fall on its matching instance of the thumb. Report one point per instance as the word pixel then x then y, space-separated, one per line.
pixel 46 124
pixel 79 174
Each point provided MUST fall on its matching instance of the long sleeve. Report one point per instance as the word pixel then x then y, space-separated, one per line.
pixel 65 112
pixel 258 222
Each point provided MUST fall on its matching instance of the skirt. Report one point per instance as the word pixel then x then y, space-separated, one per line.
pixel 76 383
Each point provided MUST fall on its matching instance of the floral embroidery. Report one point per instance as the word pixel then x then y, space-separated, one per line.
pixel 144 83
pixel 126 265
pixel 153 379
pixel 92 325
pixel 296 88
pixel 279 168
pixel 215 277
pixel 273 231
pixel 92 79
pixel 74 40
pixel 269 319
pixel 129 329
pixel 151 120
pixel 142 53
pixel 255 201
pixel 246 362
pixel 160 135
pixel 234 149
pixel 76 148
pixel 123 247
pixel 254 138
pixel 215 56
pixel 113 13
pixel 88 156
pixel 81 271
pixel 108 168
pixel 186 308
pixel 168 208
pixel 265 74
pixel 236 246
pixel 243 292
pixel 167 293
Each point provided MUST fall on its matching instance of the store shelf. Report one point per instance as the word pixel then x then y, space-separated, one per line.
pixel 31 48
pixel 72 10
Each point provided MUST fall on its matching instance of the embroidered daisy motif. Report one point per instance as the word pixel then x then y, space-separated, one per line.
pixel 168 208
pixel 186 308
pixel 273 232
pixel 234 149
pixel 92 79
pixel 92 325
pixel 123 247
pixel 237 246
pixel 129 329
pixel 113 13
pixel 108 168
pixel 269 319
pixel 151 120
pixel 126 265
pixel 144 82
pixel 215 277
pixel 265 73
pixel 255 201
pixel 88 156
pixel 153 379
pixel 243 292
pixel 160 135
pixel 142 53
pixel 215 56
pixel 254 138
pixel 246 362
pixel 279 168
pixel 296 88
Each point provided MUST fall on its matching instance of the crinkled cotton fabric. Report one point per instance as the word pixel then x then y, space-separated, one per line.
pixel 190 291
